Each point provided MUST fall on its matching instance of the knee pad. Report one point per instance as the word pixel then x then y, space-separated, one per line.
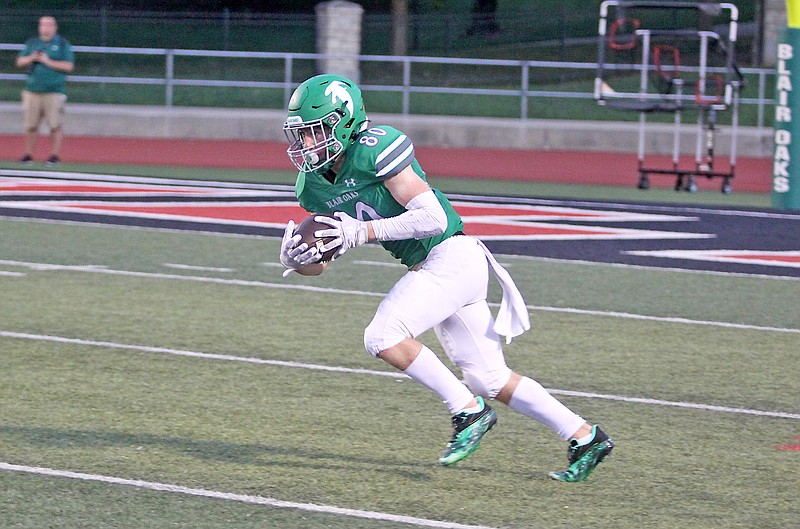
pixel 381 334
pixel 370 342
pixel 485 383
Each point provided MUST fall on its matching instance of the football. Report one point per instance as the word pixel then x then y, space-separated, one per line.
pixel 306 230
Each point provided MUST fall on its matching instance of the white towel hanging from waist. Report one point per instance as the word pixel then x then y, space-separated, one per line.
pixel 512 318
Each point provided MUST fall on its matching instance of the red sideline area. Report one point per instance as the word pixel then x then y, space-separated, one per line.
pixel 568 167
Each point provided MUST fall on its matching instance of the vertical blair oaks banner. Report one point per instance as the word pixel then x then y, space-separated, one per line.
pixel 786 154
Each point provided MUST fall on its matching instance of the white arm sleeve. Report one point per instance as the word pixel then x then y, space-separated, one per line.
pixel 424 218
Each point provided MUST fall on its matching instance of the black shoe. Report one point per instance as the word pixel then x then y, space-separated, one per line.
pixel 26 159
pixel 583 459
pixel 53 160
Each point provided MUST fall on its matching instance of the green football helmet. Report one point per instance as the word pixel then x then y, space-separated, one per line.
pixel 326 113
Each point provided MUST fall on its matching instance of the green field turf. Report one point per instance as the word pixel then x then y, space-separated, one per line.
pixel 105 357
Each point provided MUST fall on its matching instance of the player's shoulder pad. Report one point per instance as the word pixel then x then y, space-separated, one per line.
pixel 389 149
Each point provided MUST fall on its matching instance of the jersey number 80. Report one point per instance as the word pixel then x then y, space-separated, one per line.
pixel 371 141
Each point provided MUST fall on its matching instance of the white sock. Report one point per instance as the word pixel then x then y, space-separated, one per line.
pixel 532 400
pixel 474 409
pixel 429 371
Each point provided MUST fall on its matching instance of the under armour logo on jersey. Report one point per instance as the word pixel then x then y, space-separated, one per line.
pixel 338 91
pixel 350 182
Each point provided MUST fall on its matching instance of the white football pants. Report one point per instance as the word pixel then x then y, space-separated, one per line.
pixel 448 294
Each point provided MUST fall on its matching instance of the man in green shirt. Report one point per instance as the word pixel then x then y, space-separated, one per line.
pixel 47 59
pixel 364 182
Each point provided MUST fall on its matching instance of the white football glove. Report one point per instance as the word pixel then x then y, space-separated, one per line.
pixel 347 232
pixel 294 255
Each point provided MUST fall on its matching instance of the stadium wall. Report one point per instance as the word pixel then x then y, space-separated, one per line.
pixel 457 132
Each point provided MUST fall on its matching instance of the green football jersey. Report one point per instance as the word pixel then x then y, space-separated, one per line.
pixel 358 189
pixel 42 79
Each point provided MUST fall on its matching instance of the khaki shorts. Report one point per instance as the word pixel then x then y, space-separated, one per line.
pixel 37 106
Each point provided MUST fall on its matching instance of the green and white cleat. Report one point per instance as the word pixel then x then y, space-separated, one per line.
pixel 583 459
pixel 469 429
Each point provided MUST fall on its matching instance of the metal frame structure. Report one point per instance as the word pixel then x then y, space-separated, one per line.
pixel 727 82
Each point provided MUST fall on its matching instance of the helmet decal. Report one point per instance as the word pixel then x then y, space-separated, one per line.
pixel 337 90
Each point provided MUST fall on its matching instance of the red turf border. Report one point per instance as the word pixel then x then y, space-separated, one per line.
pixel 573 167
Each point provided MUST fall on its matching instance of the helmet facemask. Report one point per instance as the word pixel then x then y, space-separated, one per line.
pixel 313 144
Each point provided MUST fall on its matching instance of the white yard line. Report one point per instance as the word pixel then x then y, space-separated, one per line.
pixel 664 319
pixel 140 180
pixel 385 264
pixel 522 257
pixel 96 269
pixel 626 206
pixel 725 256
pixel 198 268
pixel 391 374
pixel 390 264
pixel 241 498
pixel 651 268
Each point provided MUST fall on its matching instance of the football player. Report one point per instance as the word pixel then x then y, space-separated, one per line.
pixel 367 178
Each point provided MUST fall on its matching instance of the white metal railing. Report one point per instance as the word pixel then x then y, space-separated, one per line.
pixel 169 80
